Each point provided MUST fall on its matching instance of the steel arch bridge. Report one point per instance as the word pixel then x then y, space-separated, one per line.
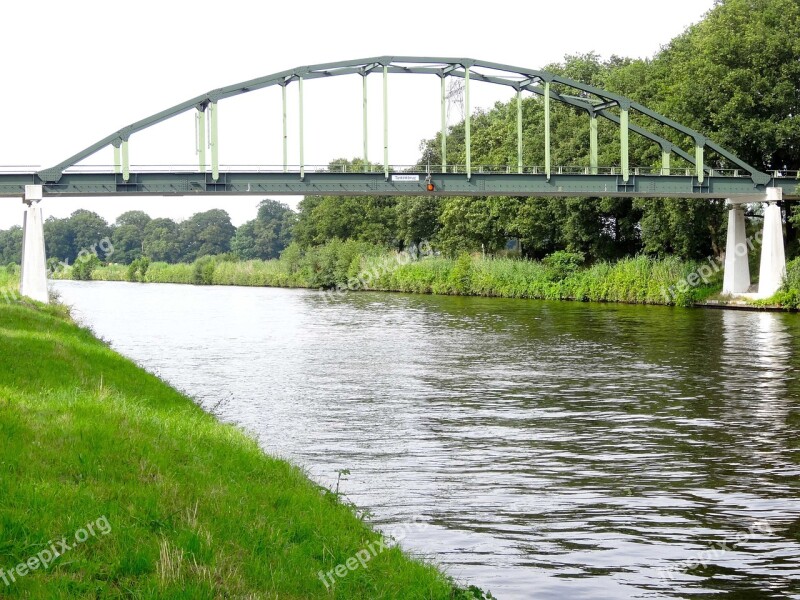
pixel 737 180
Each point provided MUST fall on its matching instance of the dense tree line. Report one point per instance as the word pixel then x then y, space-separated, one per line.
pixel 735 76
pixel 135 235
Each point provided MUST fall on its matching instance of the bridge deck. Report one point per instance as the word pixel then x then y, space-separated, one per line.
pixel 398 184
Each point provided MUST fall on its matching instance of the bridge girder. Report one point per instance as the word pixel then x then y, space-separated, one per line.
pixel 400 184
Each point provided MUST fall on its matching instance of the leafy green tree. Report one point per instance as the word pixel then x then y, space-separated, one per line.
pixel 128 236
pixel 244 243
pixel 268 234
pixel 366 218
pixel 363 218
pixel 688 228
pixel 91 232
pixel 621 223
pixel 83 232
pixel 604 228
pixel 203 273
pixel 476 224
pixel 11 245
pixel 417 218
pixel 162 240
pixel 276 220
pixel 582 226
pixel 601 228
pixel 59 240
pixel 735 75
pixel 539 225
pixel 206 233
pixel 561 264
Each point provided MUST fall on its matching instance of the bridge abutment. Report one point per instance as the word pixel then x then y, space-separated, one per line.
pixel 33 278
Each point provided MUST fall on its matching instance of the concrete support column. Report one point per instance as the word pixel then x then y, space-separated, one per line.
pixel 737 268
pixel 773 255
pixel 33 279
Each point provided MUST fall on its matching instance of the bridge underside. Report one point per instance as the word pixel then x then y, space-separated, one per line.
pixel 400 184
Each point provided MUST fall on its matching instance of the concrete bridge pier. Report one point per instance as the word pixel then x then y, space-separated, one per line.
pixel 33 278
pixel 772 269
pixel 737 267
pixel 773 254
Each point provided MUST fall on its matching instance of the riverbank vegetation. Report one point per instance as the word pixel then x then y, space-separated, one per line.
pixel 189 507
pixel 707 78
pixel 359 266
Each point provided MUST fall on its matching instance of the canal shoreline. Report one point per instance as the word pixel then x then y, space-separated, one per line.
pixel 194 507
pixel 744 305
pixel 339 267
pixel 740 305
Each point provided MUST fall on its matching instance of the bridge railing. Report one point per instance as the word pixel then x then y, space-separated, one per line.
pixel 436 169
pixel 18 169
pixel 784 174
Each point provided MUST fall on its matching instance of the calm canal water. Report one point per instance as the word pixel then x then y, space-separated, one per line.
pixel 543 450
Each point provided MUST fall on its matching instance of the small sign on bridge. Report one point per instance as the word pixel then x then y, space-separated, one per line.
pixel 405 177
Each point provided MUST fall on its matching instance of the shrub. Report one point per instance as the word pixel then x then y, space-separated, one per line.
pixel 137 270
pixel 161 272
pixel 460 278
pixel 792 279
pixel 789 294
pixel 53 265
pixel 562 264
pixel 203 273
pixel 83 267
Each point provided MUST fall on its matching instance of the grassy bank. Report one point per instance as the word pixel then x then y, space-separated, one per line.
pixel 180 505
pixel 355 265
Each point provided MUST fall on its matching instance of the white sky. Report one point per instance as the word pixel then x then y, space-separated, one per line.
pixel 75 72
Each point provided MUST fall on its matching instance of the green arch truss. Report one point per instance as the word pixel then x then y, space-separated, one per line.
pixel 597 103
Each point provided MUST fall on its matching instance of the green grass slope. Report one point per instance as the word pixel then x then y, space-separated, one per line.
pixel 181 505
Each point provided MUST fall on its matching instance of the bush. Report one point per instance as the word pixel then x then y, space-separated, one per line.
pixel 460 278
pixel 334 264
pixel 562 264
pixel 161 272
pixel 789 294
pixel 137 270
pixel 792 279
pixel 54 265
pixel 203 273
pixel 84 266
